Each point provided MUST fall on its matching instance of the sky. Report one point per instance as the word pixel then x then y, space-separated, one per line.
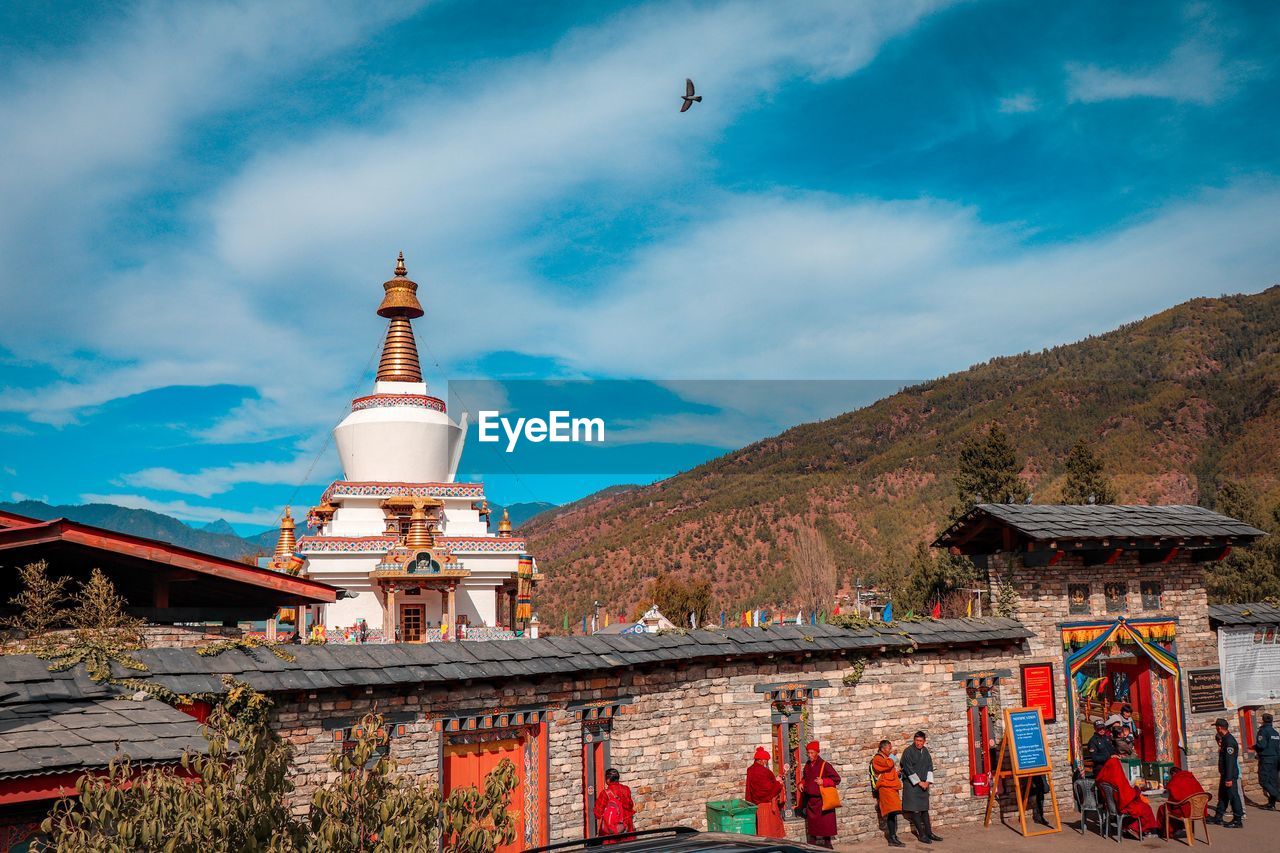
pixel 201 201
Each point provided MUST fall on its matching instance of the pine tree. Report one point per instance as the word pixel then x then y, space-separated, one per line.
pixel 39 605
pixel 989 471
pixel 1086 482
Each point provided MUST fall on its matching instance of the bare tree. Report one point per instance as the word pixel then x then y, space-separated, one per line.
pixel 813 570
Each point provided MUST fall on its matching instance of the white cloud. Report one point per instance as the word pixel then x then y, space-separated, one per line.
pixel 304 468
pixel 184 511
pixel 1023 102
pixel 279 294
pixel 1197 71
pixel 810 286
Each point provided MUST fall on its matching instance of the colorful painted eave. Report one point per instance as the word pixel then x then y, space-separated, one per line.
pixel 350 488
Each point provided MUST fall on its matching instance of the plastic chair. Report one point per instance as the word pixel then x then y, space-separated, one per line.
pixel 1112 818
pixel 1087 801
pixel 1195 808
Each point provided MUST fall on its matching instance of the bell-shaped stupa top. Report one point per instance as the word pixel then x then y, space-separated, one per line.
pixel 287 541
pixel 399 362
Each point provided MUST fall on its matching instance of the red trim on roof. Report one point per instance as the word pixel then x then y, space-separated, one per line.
pixel 155 551
pixel 12 519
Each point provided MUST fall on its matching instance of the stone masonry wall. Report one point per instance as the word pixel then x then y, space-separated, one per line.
pixel 689 734
pixel 1043 606
pixel 186 636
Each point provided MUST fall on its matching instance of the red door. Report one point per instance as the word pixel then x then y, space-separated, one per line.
pixel 593 767
pixel 467 765
pixel 1139 675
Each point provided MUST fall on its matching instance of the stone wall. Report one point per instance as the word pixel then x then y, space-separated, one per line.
pixel 186 636
pixel 689 733
pixel 1042 606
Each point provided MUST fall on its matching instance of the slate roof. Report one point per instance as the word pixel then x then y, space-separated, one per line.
pixel 38 738
pixel 334 666
pixel 1244 614
pixel 1061 521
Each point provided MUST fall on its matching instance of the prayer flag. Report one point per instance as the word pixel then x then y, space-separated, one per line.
pixel 969 610
pixel 888 612
pixel 566 623
pixel 937 609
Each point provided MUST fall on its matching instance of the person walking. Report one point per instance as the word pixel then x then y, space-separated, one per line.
pixel 615 810
pixel 917 766
pixel 887 785
pixel 819 822
pixel 1266 746
pixel 1228 778
pixel 763 789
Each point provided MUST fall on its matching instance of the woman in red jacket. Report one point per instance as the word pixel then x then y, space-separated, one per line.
pixel 614 809
pixel 763 789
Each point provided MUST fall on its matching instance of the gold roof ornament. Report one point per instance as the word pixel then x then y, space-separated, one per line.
pixel 419 537
pixel 287 541
pixel 399 362
pixel 504 526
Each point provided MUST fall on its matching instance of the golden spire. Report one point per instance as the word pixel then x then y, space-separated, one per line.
pixel 504 526
pixel 400 304
pixel 419 532
pixel 286 544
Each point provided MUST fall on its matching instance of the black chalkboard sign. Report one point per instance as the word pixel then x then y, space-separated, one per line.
pixel 1204 690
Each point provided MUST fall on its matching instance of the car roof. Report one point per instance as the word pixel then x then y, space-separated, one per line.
pixel 686 841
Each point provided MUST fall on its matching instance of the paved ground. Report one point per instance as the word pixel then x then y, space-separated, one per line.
pixel 1261 832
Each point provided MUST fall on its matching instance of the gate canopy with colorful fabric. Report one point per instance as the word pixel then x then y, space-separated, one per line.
pixel 1084 641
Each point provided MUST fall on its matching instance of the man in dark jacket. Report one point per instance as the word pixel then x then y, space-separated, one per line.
pixel 1267 747
pixel 1100 746
pixel 1228 778
pixel 917 773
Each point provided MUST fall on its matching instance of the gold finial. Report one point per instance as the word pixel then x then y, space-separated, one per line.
pixel 504 526
pixel 287 542
pixel 419 532
pixel 400 304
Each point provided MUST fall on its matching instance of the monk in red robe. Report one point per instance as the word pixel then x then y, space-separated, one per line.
pixel 1182 784
pixel 819 825
pixel 1128 798
pixel 763 789
pixel 614 809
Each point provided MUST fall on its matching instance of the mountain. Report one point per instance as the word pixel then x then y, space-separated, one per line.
pixel 153 525
pixel 221 527
pixel 1170 404
pixel 520 512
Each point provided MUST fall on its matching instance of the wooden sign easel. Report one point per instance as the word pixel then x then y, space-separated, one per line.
pixel 1025 749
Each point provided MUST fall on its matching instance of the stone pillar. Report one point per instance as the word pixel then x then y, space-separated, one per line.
pixel 389 615
pixel 453 615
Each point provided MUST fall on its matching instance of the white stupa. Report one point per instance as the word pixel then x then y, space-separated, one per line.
pixel 409 544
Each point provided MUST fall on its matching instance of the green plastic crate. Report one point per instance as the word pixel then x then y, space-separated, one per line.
pixel 1157 771
pixel 736 816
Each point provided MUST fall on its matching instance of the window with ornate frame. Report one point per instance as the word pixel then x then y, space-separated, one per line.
pixel 1116 594
pixel 1078 598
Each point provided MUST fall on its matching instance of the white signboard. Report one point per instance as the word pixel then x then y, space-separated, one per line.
pixel 1250 662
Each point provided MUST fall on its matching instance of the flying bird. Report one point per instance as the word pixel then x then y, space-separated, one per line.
pixel 688 95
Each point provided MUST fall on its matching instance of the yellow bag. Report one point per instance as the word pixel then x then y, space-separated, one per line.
pixel 830 796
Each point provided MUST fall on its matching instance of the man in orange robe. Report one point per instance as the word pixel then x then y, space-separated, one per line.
pixel 1182 784
pixel 888 787
pixel 1128 798
pixel 763 789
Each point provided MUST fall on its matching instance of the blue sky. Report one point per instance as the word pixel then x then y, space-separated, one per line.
pixel 202 199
